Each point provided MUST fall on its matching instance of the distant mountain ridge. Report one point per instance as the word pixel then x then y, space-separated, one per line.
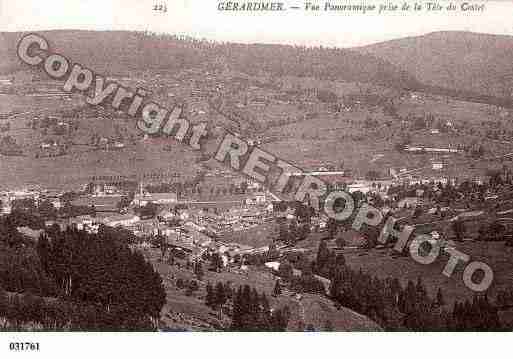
pixel 461 61
pixel 470 66
pixel 118 52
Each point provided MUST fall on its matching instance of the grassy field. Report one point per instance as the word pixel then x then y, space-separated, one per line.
pixel 258 236
pixel 324 138
pixel 78 168
pixel 495 254
pixel 84 161
pixel 380 263
pixel 343 138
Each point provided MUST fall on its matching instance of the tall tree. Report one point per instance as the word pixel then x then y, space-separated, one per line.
pixel 440 298
pixel 277 288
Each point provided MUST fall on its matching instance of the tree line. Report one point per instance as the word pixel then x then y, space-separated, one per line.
pixel 396 307
pixel 78 280
pixel 248 309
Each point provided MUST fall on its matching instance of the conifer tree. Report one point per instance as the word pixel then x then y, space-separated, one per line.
pixel 277 289
pixel 209 298
pixel 440 298
pixel 198 270
pixel 220 296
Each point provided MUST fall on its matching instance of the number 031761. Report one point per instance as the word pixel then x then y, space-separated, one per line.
pixel 23 346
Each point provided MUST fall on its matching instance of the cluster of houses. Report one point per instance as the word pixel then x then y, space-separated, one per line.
pixel 195 226
pixel 185 224
pixel 8 197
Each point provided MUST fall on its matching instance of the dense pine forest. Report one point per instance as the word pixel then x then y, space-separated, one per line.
pixel 74 280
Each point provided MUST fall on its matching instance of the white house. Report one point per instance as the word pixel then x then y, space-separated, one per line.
pixel 121 220
pixel 437 165
pixel 158 198
pixel 83 222
pixel 256 199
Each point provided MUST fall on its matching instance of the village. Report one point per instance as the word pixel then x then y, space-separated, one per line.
pixel 437 164
pixel 247 219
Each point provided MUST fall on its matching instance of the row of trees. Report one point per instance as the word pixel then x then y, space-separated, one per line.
pixel 292 231
pixel 45 210
pixel 194 188
pixel 249 310
pixel 505 298
pixel 449 192
pixel 218 295
pixel 252 312
pixel 29 311
pixel 396 307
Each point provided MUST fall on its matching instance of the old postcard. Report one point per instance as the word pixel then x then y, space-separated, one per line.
pixel 255 166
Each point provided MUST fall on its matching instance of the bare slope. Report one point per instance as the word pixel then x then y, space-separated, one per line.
pixel 464 61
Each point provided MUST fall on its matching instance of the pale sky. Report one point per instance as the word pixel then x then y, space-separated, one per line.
pixel 200 18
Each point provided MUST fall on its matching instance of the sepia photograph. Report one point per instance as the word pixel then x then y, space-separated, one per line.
pixel 180 166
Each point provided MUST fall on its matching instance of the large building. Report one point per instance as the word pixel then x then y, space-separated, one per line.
pixel 141 199
pixel 107 203
pixel 123 220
